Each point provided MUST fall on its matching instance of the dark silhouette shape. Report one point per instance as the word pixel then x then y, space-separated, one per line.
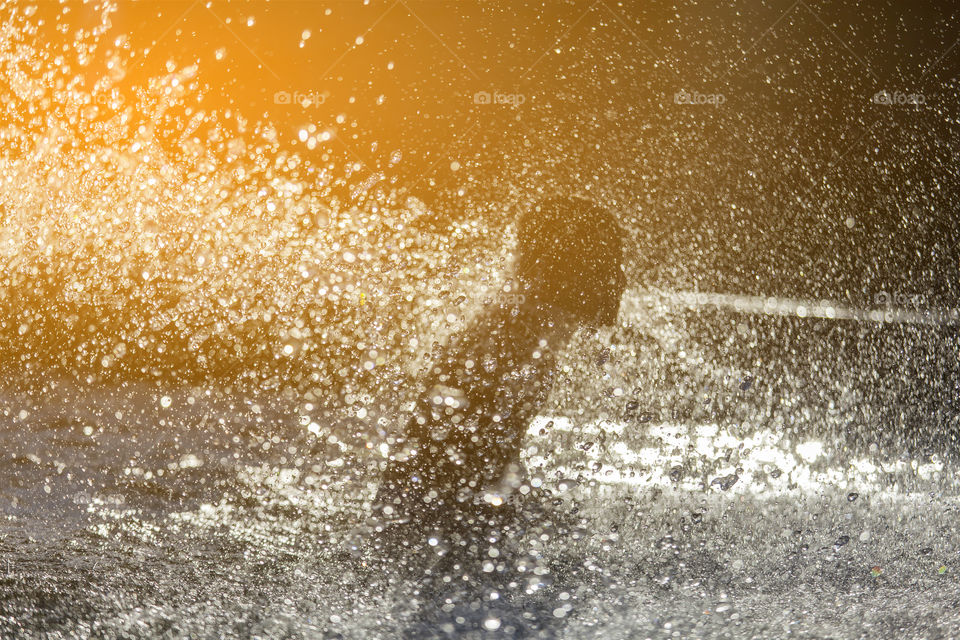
pixel 462 445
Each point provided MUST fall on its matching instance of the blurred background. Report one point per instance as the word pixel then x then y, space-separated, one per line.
pixel 226 189
pixel 797 180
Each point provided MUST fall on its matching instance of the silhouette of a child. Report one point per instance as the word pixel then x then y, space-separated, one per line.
pixel 465 437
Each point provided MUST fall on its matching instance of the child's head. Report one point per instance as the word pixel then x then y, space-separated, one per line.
pixel 570 255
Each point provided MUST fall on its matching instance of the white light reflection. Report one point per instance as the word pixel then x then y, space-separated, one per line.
pixel 766 463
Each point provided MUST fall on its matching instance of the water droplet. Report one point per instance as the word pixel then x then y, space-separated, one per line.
pixel 725 482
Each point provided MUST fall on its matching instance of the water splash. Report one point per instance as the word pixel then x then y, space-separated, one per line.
pixel 129 208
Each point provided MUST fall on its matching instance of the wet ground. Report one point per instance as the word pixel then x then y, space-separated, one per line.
pixel 132 511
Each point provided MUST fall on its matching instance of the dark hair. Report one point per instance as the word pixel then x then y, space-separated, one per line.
pixel 570 255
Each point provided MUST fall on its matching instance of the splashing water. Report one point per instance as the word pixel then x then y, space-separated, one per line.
pixel 154 238
pixel 211 341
